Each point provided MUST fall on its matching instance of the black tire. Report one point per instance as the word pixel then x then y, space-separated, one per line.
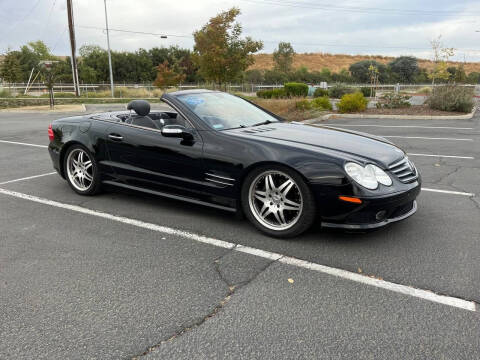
pixel 94 186
pixel 306 216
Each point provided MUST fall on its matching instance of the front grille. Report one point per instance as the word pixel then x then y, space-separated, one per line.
pixel 404 170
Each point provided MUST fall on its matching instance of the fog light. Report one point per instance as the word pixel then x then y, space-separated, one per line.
pixel 381 215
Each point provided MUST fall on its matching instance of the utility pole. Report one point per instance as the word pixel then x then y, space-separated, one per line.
pixel 71 28
pixel 109 53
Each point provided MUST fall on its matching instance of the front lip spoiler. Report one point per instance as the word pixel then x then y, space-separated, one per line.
pixel 374 225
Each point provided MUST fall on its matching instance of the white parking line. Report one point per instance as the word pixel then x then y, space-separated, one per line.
pixel 398 288
pixel 444 156
pixel 403 126
pixel 22 143
pixel 423 138
pixel 27 178
pixel 448 192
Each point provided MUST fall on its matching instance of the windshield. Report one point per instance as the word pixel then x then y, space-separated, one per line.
pixel 224 111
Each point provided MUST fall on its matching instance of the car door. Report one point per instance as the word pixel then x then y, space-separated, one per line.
pixel 144 158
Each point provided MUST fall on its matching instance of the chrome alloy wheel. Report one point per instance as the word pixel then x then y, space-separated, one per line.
pixel 275 200
pixel 80 169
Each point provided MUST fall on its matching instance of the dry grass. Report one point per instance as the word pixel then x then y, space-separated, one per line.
pixel 337 62
pixel 285 108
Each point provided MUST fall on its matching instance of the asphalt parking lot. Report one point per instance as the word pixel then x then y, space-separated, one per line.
pixel 128 276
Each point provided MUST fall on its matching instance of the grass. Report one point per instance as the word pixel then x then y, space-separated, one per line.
pixel 337 62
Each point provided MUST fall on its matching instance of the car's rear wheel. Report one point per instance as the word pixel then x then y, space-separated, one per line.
pixel 277 201
pixel 81 171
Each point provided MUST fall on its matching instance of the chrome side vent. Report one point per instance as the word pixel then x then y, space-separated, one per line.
pixel 219 180
pixel 404 170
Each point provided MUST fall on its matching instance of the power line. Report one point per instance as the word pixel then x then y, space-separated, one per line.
pixel 293 43
pixel 48 18
pixel 367 10
pixel 135 32
pixel 59 38
pixel 29 12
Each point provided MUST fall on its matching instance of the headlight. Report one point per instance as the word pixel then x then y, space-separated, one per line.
pixel 381 176
pixel 363 176
pixel 368 176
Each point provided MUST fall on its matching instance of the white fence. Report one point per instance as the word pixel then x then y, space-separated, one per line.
pixel 39 88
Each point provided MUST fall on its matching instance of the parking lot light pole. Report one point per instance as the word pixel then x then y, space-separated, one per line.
pixel 109 53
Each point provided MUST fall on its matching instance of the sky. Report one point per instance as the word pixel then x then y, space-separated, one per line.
pixel 342 26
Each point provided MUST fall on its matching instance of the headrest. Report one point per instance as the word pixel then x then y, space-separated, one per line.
pixel 141 107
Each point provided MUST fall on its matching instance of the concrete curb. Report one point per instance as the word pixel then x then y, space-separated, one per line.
pixel 398 117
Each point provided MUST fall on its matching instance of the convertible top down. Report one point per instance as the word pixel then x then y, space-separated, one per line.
pixel 220 150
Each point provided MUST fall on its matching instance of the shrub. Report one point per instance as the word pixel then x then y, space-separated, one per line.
pixel 321 103
pixel 337 91
pixel 272 94
pixel 367 91
pixel 5 93
pixel 320 92
pixel 58 95
pixel 451 98
pixel 279 93
pixel 293 89
pixel 352 103
pixel 424 90
pixel 264 94
pixel 393 101
pixel 303 105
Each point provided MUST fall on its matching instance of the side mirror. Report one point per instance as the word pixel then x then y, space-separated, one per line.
pixel 177 131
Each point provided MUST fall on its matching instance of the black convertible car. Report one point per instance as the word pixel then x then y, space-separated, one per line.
pixel 217 149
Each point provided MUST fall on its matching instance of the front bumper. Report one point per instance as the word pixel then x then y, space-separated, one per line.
pixel 375 225
pixel 373 212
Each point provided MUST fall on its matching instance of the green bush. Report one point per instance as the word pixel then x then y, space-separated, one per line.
pixel 5 93
pixel 451 98
pixel 321 103
pixel 272 94
pixel 319 92
pixel 304 105
pixel 293 89
pixel 352 103
pixel 367 91
pixel 59 95
pixel 264 94
pixel 393 101
pixel 337 91
pixel 424 90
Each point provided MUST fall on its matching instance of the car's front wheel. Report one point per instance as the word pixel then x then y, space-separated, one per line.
pixel 81 171
pixel 277 201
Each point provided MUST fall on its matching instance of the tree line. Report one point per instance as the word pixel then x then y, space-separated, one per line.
pixel 219 55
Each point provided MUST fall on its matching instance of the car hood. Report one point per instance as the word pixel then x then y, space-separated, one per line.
pixel 369 147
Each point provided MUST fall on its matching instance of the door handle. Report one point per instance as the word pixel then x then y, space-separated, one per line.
pixel 115 137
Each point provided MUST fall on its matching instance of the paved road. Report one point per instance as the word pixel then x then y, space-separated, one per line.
pixel 76 285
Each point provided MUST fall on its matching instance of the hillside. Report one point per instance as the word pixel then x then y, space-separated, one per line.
pixel 318 61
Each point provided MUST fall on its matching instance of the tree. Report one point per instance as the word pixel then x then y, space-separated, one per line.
pixel 283 57
pixel 460 76
pixel 473 78
pixel 11 69
pixel 254 76
pixel 87 74
pixel 343 76
pixel 440 58
pixel 275 77
pixel 361 73
pixel 167 77
pixel 31 54
pixel 405 68
pixel 219 52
